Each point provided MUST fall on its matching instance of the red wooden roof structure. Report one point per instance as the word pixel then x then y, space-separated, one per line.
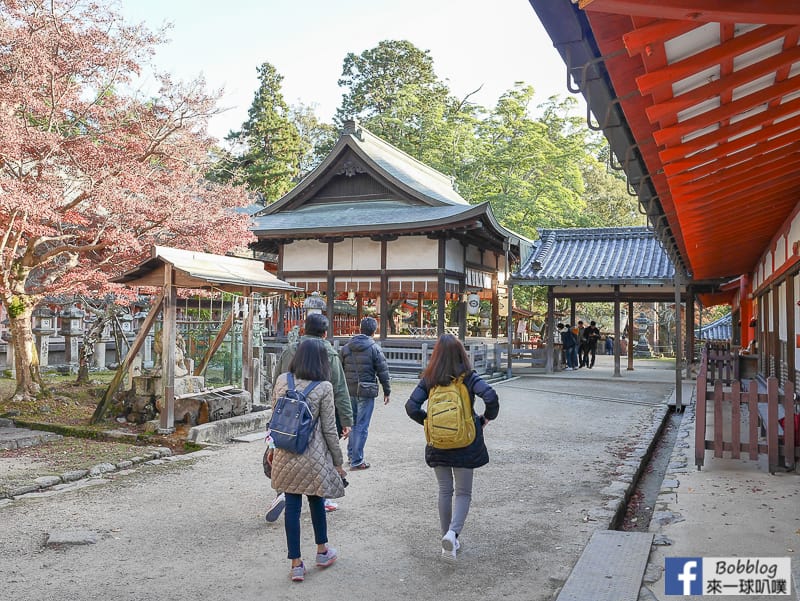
pixel 701 104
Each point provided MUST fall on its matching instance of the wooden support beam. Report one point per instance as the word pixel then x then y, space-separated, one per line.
pixel 672 135
pixel 168 342
pixel 642 39
pixel 723 134
pixel 724 149
pixel 715 55
pixel 666 112
pixel 125 364
pixel 704 11
pixel 200 368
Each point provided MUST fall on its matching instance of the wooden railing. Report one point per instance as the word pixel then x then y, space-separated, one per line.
pixel 722 362
pixel 745 421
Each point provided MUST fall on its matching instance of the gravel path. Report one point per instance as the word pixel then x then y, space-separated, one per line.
pixel 195 529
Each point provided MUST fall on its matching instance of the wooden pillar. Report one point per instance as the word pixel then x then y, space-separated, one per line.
pixel 678 345
pixel 440 292
pixel 168 342
pixel 775 334
pixel 462 312
pixel 791 341
pixel 617 337
pixel 384 298
pixel 510 328
pixel 631 335
pixel 690 319
pixel 247 345
pixel 331 295
pixel 421 309
pixel 550 343
pixel 360 315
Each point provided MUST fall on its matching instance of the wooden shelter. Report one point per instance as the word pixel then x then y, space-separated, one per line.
pixel 371 225
pixel 170 269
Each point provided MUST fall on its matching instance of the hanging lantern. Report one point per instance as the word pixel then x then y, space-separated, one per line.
pixel 473 304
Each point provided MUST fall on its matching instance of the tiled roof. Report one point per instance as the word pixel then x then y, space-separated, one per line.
pixel 356 215
pixel 716 330
pixel 623 255
pixel 406 169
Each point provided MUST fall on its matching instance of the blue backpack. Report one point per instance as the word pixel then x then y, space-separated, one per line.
pixel 291 424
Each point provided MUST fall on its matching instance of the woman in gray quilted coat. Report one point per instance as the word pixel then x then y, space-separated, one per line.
pixel 318 472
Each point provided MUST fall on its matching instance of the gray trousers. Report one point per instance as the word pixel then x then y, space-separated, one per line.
pixel 453 512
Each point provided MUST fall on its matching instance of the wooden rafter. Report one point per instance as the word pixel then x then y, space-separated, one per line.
pixel 680 151
pixel 711 57
pixel 666 112
pixel 740 160
pixel 643 39
pixel 735 179
pixel 727 148
pixel 672 135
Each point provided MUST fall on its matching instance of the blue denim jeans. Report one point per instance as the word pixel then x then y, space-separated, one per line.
pixel 362 415
pixel 319 521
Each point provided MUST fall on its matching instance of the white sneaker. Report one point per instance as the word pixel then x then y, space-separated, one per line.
pixel 274 511
pixel 450 545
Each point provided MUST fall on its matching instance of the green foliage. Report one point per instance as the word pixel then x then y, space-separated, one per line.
pixel 16 307
pixel 268 150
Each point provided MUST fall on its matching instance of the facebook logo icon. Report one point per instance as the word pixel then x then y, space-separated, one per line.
pixel 683 576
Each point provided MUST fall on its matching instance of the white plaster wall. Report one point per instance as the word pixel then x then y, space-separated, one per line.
pixel 794 232
pixel 782 311
pixel 454 255
pixel 780 252
pixel 307 255
pixel 357 254
pixel 413 252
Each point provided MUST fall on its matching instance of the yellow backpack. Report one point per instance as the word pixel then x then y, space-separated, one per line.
pixel 450 423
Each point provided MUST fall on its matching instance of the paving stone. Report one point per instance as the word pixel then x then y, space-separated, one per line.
pixel 23 490
pixel 72 537
pixel 47 481
pixel 102 468
pixel 73 475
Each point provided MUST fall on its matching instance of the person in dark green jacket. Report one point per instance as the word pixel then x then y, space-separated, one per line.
pixel 316 326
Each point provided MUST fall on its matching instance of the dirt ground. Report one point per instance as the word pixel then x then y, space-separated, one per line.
pixel 196 529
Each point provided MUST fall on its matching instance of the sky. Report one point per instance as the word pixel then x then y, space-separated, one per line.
pixel 473 43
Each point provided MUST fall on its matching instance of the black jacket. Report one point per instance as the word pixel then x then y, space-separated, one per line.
pixel 363 361
pixel 475 454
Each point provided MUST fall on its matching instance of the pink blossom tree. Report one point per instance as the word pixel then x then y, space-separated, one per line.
pixel 93 173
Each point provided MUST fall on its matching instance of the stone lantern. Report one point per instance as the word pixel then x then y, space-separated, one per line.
pixel 314 303
pixel 126 325
pixel 71 329
pixel 642 348
pixel 44 326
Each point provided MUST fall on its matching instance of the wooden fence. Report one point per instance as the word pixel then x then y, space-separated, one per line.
pixel 745 421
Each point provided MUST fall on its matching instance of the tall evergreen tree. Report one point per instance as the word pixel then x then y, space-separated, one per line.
pixel 267 151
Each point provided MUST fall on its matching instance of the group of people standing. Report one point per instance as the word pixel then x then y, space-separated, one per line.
pixel 579 344
pixel 342 405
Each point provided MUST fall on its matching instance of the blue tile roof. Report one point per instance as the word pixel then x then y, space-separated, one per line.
pixel 622 255
pixel 716 330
